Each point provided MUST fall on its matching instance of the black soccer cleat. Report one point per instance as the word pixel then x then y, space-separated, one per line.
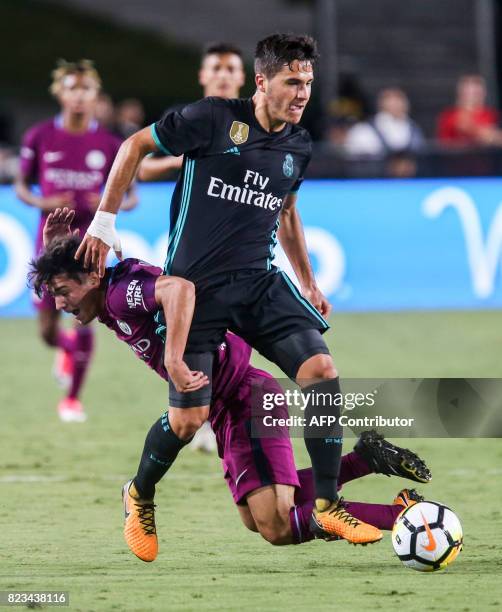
pixel 385 458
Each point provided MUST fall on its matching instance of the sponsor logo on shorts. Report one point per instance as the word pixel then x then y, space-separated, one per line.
pixel 239 132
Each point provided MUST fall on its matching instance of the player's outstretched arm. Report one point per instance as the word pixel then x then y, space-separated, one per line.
pixel 176 297
pixel 292 240
pixel 58 223
pixel 101 234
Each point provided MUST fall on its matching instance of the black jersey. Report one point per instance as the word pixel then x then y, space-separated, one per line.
pixel 235 176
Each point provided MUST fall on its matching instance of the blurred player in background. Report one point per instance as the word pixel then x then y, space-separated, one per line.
pixel 272 497
pixel 69 157
pixel 221 75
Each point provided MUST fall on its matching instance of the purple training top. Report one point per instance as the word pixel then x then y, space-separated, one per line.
pixel 130 308
pixel 60 161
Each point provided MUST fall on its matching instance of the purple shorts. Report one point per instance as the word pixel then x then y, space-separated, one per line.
pixel 252 462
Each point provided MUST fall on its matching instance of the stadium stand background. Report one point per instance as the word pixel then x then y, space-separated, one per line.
pixel 150 51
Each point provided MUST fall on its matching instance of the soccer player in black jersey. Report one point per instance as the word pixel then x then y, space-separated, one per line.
pixel 244 161
pixel 221 74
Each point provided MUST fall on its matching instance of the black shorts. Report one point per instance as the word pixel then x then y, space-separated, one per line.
pixel 260 306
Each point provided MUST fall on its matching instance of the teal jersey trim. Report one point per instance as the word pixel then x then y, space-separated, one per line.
pixel 153 131
pixel 173 233
pixel 305 302
pixel 161 329
pixel 175 236
pixel 273 244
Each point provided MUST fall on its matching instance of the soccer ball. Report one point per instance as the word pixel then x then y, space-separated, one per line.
pixel 427 536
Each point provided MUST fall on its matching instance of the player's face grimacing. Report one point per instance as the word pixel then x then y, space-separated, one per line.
pixel 288 91
pixel 222 75
pixel 81 299
pixel 79 93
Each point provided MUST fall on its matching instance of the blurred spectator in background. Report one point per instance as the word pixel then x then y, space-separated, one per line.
pixel 350 106
pixel 130 117
pixel 336 133
pixel 352 103
pixel 8 164
pixel 8 158
pixel 470 121
pixel 105 111
pixel 391 130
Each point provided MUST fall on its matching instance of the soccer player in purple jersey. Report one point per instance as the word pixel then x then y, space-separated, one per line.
pixel 272 497
pixel 69 156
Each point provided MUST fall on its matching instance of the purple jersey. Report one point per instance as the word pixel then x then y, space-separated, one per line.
pixel 60 161
pixel 130 308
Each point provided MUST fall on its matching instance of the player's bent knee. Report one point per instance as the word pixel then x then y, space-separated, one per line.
pixel 185 422
pixel 247 518
pixel 276 535
pixel 317 367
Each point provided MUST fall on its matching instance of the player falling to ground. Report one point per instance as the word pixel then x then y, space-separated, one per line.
pixel 221 74
pixel 273 498
pixel 70 157
pixel 244 163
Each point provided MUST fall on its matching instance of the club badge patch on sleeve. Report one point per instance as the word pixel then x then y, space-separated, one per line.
pixel 239 132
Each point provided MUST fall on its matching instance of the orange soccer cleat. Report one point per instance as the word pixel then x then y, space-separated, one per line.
pixel 407 498
pixel 139 528
pixel 336 521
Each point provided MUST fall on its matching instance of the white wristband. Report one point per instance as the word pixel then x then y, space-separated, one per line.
pixel 103 227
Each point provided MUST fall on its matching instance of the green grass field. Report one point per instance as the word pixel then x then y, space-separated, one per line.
pixel 60 488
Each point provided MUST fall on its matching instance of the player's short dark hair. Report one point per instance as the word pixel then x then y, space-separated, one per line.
pixel 278 50
pixel 220 48
pixel 58 258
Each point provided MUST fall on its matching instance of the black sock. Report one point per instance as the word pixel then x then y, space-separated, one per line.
pixel 324 442
pixel 162 446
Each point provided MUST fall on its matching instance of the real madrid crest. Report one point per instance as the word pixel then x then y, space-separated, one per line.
pixel 288 165
pixel 239 132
